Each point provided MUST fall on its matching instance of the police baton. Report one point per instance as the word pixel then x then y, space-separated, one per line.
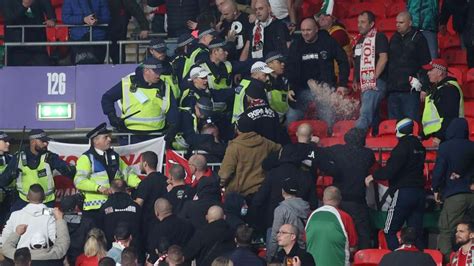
pixel 130 115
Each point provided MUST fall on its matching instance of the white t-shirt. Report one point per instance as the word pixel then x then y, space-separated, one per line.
pixel 279 8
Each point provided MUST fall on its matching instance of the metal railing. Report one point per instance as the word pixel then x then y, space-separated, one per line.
pixel 80 43
pixel 56 26
pixel 138 43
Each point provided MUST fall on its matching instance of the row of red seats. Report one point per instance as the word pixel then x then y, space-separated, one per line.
pixel 374 256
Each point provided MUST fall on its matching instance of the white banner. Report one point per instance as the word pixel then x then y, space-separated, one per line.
pixel 130 154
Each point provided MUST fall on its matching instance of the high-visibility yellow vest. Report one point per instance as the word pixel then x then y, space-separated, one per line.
pixel 239 99
pixel 191 60
pixel 431 119
pixel 91 173
pixel 42 175
pixel 223 83
pixel 172 83
pixel 152 107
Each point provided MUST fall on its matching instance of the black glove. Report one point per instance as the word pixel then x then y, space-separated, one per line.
pixel 116 122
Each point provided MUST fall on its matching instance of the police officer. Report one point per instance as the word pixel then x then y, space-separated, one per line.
pixel 200 52
pixel 157 49
pixel 182 52
pixel 36 166
pixel 444 101
pixel 97 167
pixel 277 91
pixel 217 64
pixel 195 88
pixel 258 74
pixel 7 190
pixel 148 104
pixel 404 172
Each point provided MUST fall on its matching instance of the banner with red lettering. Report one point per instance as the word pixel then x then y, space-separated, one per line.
pixel 130 154
pixel 172 158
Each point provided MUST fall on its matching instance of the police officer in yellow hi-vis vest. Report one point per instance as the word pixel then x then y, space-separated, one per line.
pixel 258 73
pixel 443 102
pixel 277 91
pixel 200 52
pixel 147 101
pixel 35 166
pixel 97 167
pixel 7 186
pixel 182 52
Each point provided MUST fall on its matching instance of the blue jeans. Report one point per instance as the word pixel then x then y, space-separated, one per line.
pixel 303 99
pixel 370 105
pixel 404 104
pixel 432 40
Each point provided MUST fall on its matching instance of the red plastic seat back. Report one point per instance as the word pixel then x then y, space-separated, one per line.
pixel 436 255
pixel 370 255
pixel 340 128
pixel 394 9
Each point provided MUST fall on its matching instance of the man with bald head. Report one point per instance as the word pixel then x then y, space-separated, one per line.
pixel 212 240
pixel 408 52
pixel 330 232
pixel 312 56
pixel 268 34
pixel 199 169
pixel 236 23
pixel 168 227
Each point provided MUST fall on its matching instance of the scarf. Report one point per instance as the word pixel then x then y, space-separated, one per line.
pixel 367 62
pixel 408 248
pixel 469 259
pixel 258 37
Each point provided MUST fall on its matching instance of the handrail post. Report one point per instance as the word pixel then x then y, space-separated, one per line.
pixel 137 50
pixel 90 33
pixel 23 34
pixel 6 55
pixel 107 54
pixel 120 52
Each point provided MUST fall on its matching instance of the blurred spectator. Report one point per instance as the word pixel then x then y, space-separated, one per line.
pixel 370 60
pixel 463 22
pixel 312 57
pixel 120 14
pixel 150 189
pixel 120 208
pixel 90 13
pixel 407 254
pixel 288 236
pixel 288 164
pixel 241 169
pixel 269 34
pixel 212 240
pixel 235 210
pixel 22 257
pixel 277 91
pixel 404 172
pixel 129 257
pixel 286 11
pixel 234 24
pixel 408 52
pixel 243 254
pixel 464 238
pixel 179 191
pixel 27 12
pixel 349 165
pixel 41 251
pixel 330 232
pixel 292 210
pixel 78 226
pixel 169 228
pixel 444 101
pixel 94 248
pixel 451 180
pixel 337 31
pixel 36 215
pixel 208 194
pixel 107 261
pixel 425 18
pixel 222 261
pixel 122 240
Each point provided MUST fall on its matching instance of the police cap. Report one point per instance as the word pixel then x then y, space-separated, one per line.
pixel 99 130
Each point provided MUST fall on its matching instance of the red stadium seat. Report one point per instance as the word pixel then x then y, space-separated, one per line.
pixel 449 41
pixel 340 12
pixel 322 183
pixel 383 241
pixel 320 128
pixel 59 14
pixel 341 127
pixel 469 109
pixel 455 58
pixel 456 73
pixel 351 25
pixel 369 256
pixel 376 7
pixel 470 122
pixel 387 127
pixel 468 86
pixel 394 9
pixel 388 26
pixel 327 142
pixel 436 255
pixel 57 3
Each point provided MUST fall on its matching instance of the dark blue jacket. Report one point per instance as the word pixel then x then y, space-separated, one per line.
pixel 456 155
pixel 74 12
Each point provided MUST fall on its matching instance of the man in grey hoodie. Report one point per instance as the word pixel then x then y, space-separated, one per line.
pixel 292 210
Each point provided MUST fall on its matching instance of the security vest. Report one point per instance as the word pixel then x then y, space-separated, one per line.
pixel 191 60
pixel 179 142
pixel 278 99
pixel 91 173
pixel 431 119
pixel 152 106
pixel 9 187
pixel 42 175
pixel 224 83
pixel 191 93
pixel 239 99
pixel 169 80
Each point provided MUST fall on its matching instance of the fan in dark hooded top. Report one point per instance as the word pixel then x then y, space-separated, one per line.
pixel 235 208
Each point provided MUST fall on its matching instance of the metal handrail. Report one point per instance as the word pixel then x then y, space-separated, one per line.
pixel 79 43
pixel 138 43
pixel 55 26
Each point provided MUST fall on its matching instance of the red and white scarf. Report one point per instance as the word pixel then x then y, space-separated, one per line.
pixel 408 248
pixel 469 257
pixel 258 37
pixel 368 80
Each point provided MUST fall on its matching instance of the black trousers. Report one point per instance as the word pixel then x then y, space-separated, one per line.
pixel 360 214
pixel 118 31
